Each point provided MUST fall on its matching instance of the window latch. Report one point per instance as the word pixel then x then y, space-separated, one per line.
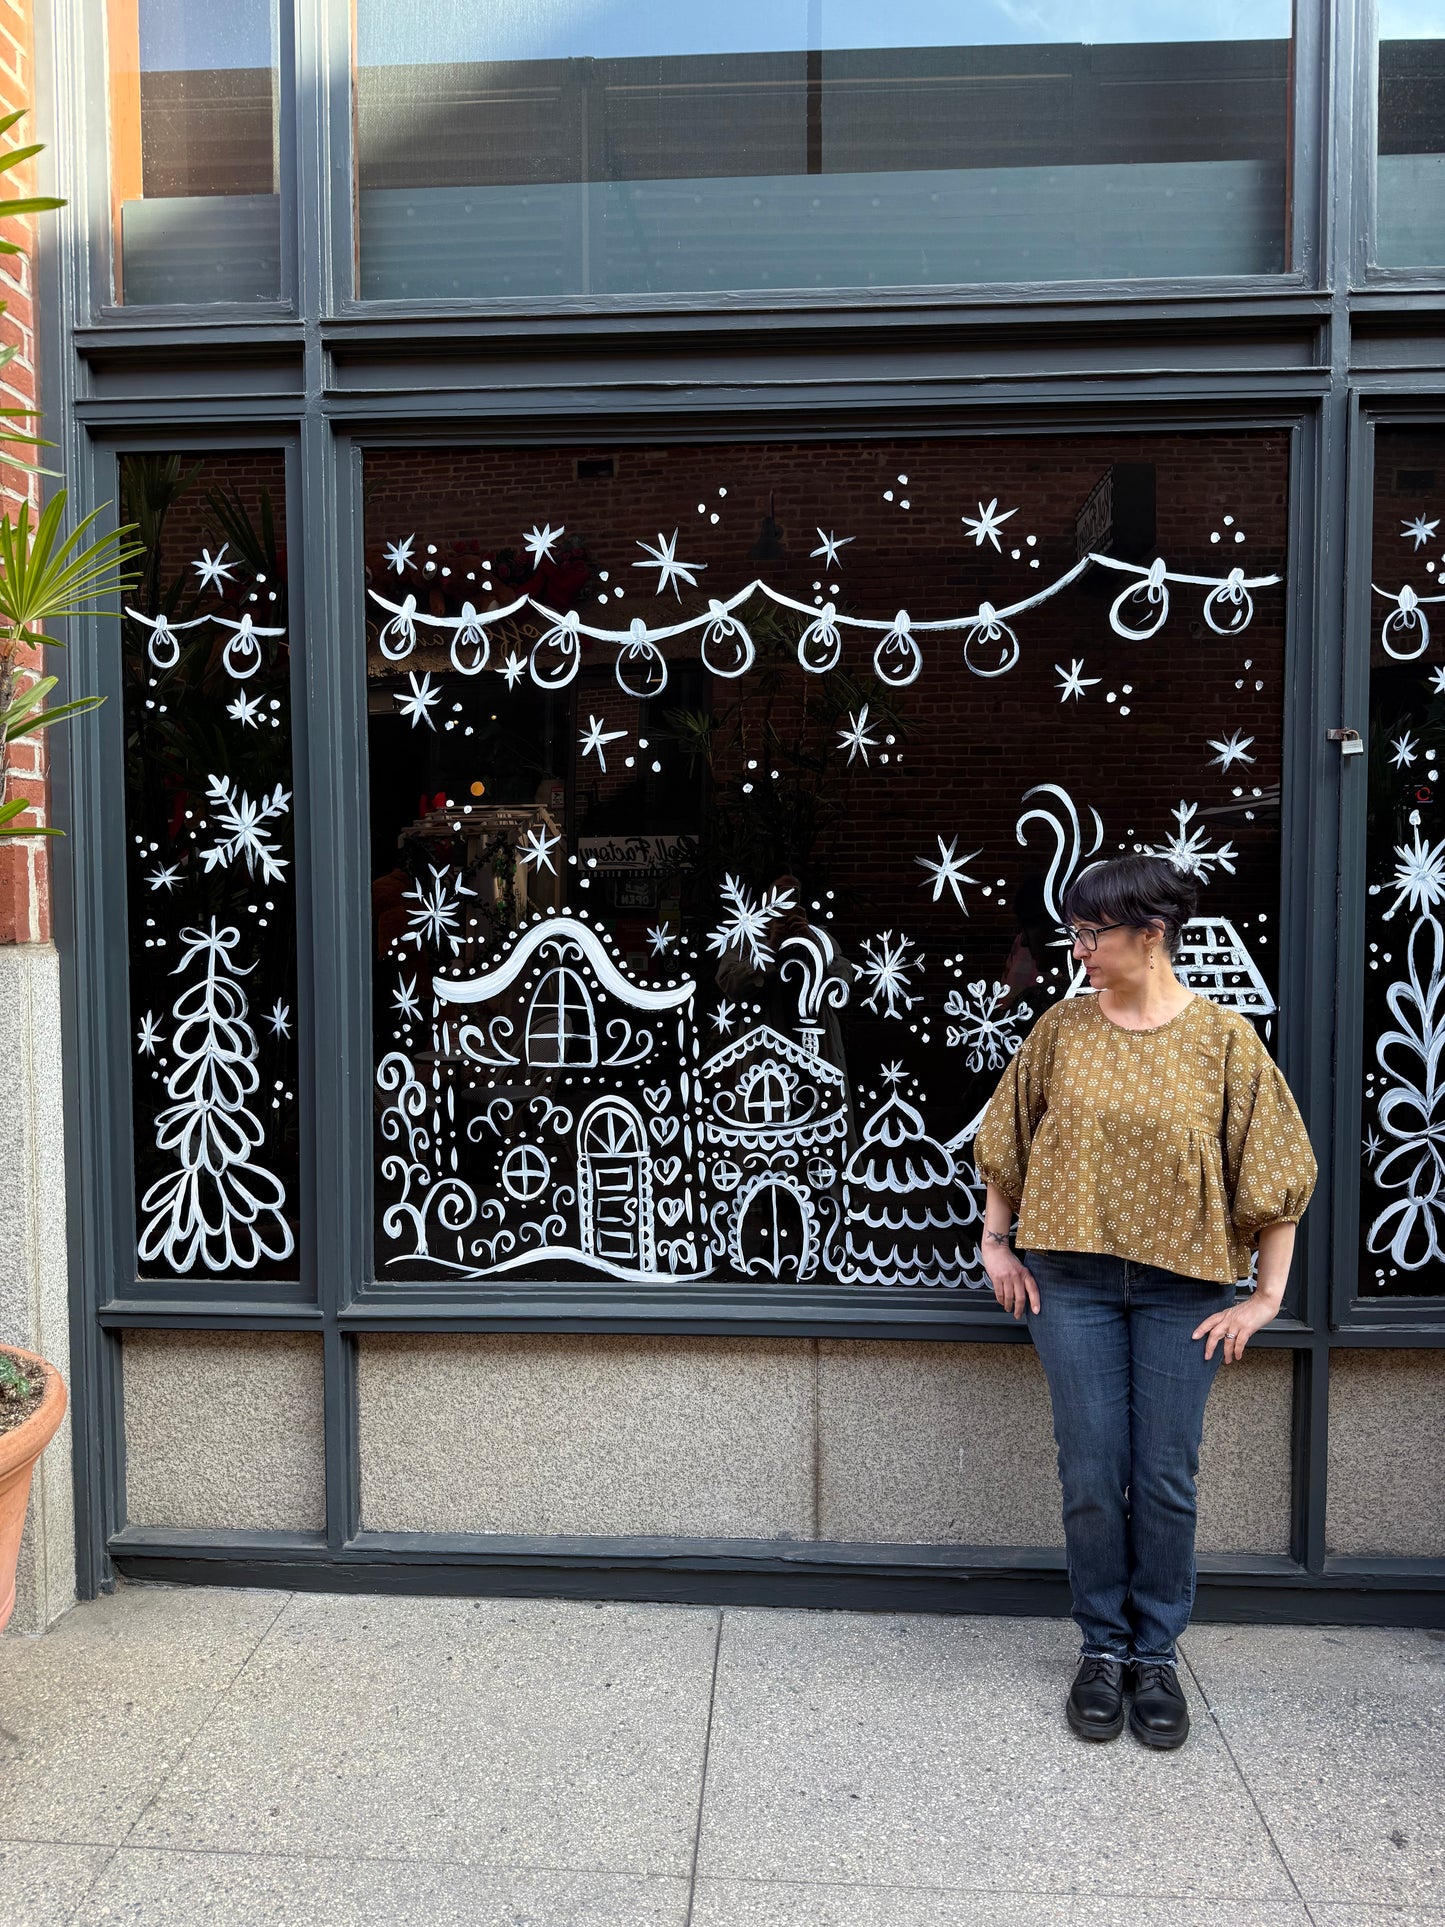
pixel 1348 740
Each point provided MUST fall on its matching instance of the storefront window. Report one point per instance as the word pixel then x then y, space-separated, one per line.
pixel 630 147
pixel 1402 1214
pixel 211 879
pixel 1410 178
pixel 193 111
pixel 722 801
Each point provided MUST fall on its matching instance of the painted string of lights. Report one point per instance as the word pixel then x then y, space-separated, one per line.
pixel 990 644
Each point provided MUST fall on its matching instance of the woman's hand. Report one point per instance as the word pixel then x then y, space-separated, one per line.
pixel 1237 1324
pixel 1012 1281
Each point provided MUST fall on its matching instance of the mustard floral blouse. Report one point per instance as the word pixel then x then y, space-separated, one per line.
pixel 1173 1146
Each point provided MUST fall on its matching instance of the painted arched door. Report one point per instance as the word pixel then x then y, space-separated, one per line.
pixel 775 1230
pixel 614 1174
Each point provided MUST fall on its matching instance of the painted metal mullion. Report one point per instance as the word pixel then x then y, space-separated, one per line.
pixel 330 509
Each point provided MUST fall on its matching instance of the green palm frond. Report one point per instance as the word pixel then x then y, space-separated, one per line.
pixel 46 576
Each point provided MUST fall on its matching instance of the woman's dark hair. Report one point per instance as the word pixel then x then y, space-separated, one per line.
pixel 1140 890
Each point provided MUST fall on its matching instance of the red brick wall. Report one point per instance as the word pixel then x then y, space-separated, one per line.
pixel 24 862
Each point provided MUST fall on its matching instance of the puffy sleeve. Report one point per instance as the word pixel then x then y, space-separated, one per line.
pixel 1006 1130
pixel 1269 1168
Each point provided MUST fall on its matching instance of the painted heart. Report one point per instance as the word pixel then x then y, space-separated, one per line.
pixel 664 1129
pixel 657 1096
pixel 669 1209
pixel 668 1170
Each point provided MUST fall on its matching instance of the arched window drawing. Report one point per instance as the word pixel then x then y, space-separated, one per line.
pixel 767 1095
pixel 561 1023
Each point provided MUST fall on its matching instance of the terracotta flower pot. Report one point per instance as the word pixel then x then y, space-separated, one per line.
pixel 19 1449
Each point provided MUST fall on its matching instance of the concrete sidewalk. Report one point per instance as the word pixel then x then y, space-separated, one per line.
pixel 209 1757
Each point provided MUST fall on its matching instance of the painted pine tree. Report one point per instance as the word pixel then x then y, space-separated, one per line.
pixel 909 1217
pixel 217 1209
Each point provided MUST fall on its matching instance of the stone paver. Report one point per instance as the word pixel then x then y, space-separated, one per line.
pixel 175 1758
pixel 97 1713
pixel 917 1750
pixel 41 1884
pixel 158 1889
pixel 1341 1736
pixel 520 1733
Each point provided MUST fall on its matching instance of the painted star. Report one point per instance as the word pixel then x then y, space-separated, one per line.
pixel 246 710
pixel 406 1002
pixel 279 1018
pixel 398 554
pixel 537 847
pixel 1406 748
pixel 594 739
pixel 984 526
pixel 1073 681
pixel 214 570
pixel 722 1019
pixel 661 939
pixel 1420 529
pixel 670 571
pixel 540 542
pixel 1371 1145
pixel 854 736
pixel 948 873
pixel 1232 749
pixel 830 545
pixel 416 703
pixel 513 668
pixel 892 1074
pixel 1437 680
pixel 166 877
pixel 148 1036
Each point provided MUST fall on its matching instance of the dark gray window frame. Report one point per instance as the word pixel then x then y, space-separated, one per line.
pixel 1325 364
pixel 1366 272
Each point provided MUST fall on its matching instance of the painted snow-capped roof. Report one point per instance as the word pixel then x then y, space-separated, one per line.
pixel 762 1039
pixel 561 931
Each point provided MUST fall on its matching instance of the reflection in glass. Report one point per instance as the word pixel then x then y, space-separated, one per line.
pixel 193 115
pixel 210 868
pixel 1410 173
pixel 722 802
pixel 632 147
pixel 1402 1208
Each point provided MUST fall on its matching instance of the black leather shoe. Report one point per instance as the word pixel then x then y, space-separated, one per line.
pixel 1096 1700
pixel 1159 1716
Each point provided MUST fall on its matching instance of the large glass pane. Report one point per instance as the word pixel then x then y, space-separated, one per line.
pixel 193 112
pixel 1402 1214
pixel 1410 181
pixel 721 803
pixel 536 148
pixel 210 868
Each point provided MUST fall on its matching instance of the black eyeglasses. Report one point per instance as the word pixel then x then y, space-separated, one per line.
pixel 1086 936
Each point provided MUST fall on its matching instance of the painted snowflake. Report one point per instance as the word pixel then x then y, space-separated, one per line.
pixel 242 821
pixel 744 926
pixel 437 916
pixel 988 1031
pixel 1189 848
pixel 887 970
pixel 1419 879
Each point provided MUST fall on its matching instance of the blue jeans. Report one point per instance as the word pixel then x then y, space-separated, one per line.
pixel 1129 1386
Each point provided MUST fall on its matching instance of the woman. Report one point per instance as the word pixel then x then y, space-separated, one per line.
pixel 1149 1145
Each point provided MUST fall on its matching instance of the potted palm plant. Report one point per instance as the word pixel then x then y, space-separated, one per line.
pixel 46 575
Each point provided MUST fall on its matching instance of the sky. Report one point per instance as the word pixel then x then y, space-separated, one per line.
pixel 179 34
